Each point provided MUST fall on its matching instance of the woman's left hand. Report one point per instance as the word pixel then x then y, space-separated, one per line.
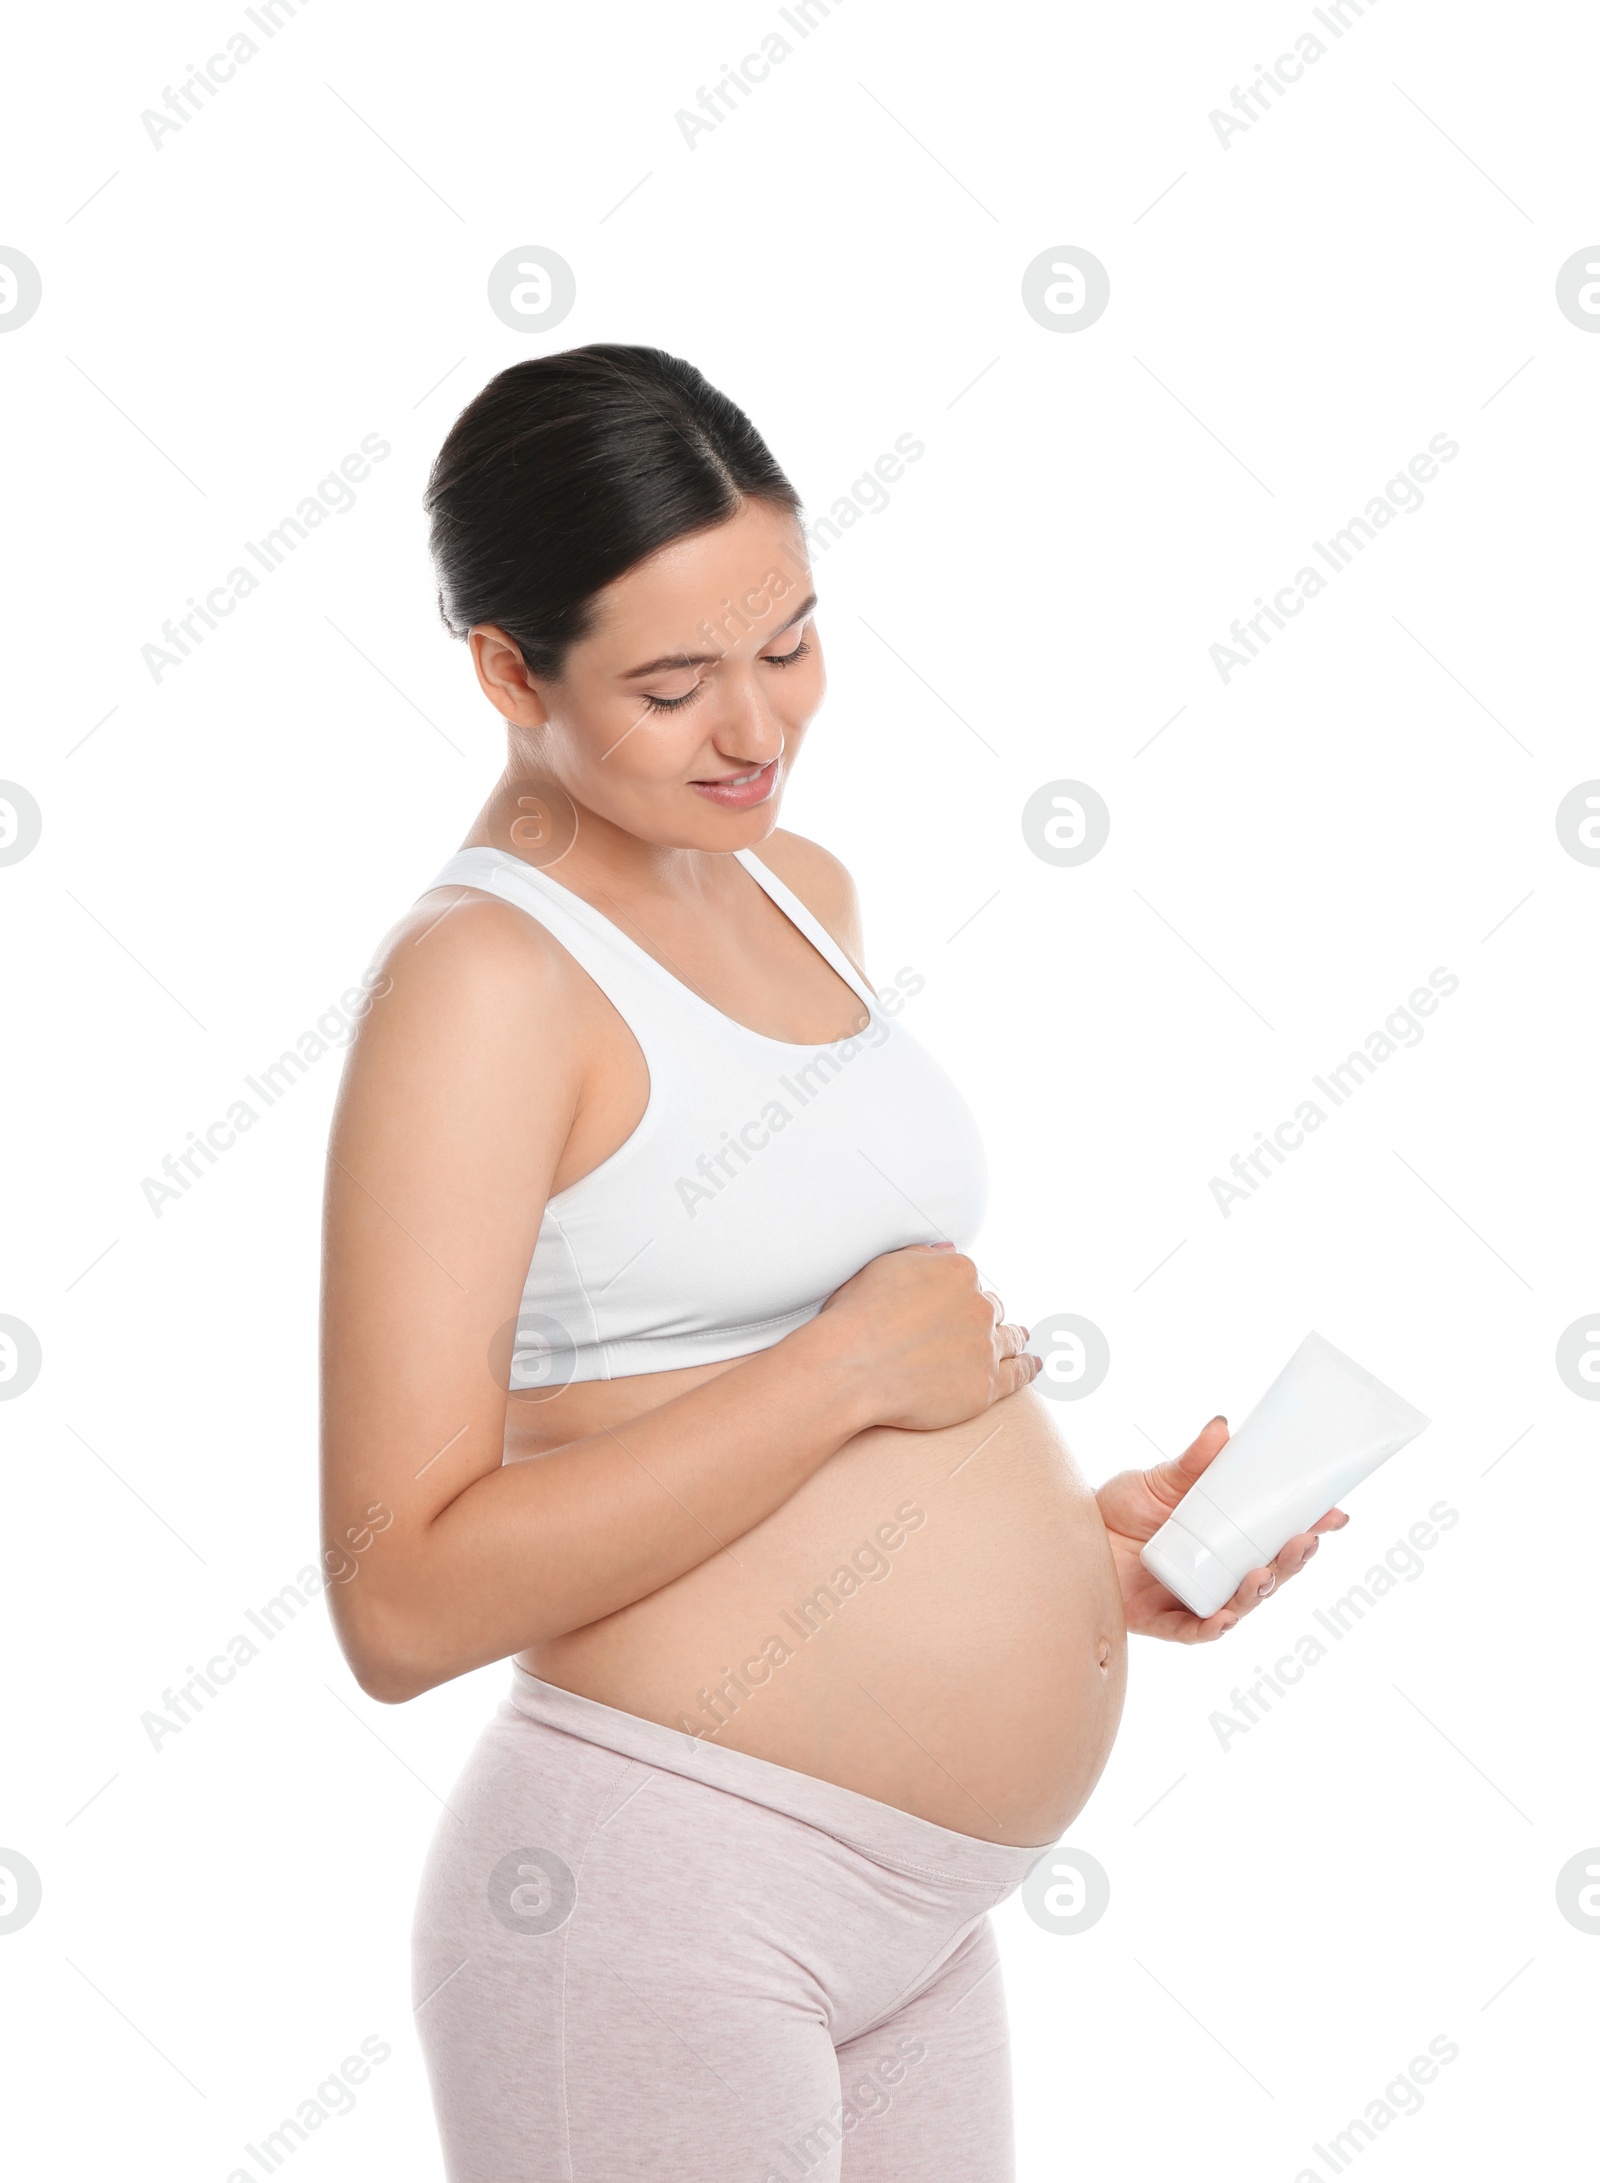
pixel 1136 1503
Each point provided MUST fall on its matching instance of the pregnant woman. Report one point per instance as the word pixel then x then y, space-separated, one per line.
pixel 654 1360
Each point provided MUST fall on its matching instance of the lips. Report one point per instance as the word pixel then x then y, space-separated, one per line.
pixel 739 791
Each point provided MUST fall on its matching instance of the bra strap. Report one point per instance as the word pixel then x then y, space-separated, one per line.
pixel 815 931
pixel 632 981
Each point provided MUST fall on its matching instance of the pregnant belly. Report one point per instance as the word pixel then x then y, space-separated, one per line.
pixel 932 1620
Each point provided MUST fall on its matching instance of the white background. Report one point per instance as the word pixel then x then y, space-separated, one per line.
pixel 1292 317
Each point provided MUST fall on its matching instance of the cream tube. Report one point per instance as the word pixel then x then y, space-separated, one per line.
pixel 1321 1427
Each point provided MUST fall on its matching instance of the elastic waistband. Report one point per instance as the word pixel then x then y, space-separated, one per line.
pixel 882 1832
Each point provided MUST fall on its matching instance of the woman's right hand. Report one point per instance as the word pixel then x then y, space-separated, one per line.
pixel 935 1344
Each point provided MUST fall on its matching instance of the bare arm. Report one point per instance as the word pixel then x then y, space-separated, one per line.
pixel 466 1085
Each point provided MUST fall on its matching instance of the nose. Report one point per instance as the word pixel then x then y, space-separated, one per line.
pixel 749 732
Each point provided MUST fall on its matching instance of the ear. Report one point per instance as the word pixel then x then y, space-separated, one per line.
pixel 504 678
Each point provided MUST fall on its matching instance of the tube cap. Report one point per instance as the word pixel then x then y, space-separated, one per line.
pixel 1188 1568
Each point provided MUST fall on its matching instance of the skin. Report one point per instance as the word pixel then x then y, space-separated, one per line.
pixel 640 1540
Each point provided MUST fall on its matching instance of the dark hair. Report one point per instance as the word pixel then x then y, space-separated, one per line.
pixel 566 471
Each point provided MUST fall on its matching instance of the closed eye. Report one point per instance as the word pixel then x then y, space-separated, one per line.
pixel 671 704
pixel 769 659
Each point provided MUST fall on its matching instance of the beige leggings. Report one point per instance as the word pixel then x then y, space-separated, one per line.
pixel 638 1954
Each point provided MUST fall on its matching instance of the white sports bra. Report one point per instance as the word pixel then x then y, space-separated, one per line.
pixel 761 1176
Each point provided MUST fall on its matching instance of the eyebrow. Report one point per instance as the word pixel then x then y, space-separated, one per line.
pixel 801 613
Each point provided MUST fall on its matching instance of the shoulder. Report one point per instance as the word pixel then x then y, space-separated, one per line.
pixel 822 883
pixel 470 983
pixel 458 940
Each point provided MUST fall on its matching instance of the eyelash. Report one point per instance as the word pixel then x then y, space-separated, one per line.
pixel 671 704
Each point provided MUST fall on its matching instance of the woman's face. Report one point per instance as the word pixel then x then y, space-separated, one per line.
pixel 678 717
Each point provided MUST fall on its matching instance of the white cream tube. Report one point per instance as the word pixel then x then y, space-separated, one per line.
pixel 1321 1427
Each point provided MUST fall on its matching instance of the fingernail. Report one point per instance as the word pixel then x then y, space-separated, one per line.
pixel 1228 1625
pixel 1312 1548
pixel 1219 1420
pixel 1266 1588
